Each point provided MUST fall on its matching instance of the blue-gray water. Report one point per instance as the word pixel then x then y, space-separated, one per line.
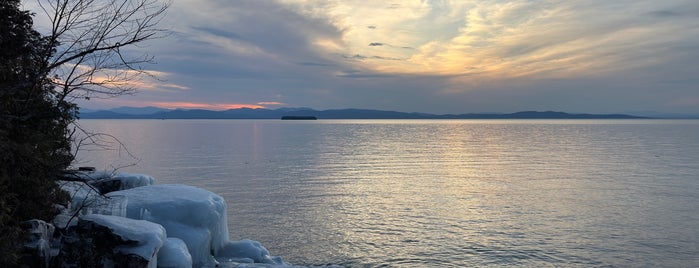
pixel 437 193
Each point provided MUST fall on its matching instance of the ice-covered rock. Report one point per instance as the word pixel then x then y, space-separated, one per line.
pixel 37 250
pixel 109 181
pixel 87 190
pixel 246 251
pixel 197 217
pixel 112 241
pixel 174 254
pixel 122 181
pixel 192 214
pixel 86 200
pixel 88 174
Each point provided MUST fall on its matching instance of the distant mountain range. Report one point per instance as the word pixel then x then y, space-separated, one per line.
pixel 246 113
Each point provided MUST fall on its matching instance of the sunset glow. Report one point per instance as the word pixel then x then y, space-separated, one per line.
pixel 206 106
pixel 426 56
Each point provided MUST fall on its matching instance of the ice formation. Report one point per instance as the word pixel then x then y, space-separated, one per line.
pixel 39 242
pixel 195 215
pixel 112 181
pixel 194 220
pixel 174 254
pixel 150 236
pixel 87 198
pixel 247 251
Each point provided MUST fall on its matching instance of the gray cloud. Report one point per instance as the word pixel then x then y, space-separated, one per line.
pixel 318 64
pixel 360 74
pixel 358 57
pixel 218 31
pixel 251 51
pixel 664 13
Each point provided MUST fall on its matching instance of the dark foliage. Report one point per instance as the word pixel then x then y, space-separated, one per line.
pixel 34 123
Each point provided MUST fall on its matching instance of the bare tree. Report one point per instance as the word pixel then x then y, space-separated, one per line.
pixel 90 38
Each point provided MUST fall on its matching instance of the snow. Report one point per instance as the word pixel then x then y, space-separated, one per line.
pixel 150 236
pixel 174 254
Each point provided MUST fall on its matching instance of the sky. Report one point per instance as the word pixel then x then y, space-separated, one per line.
pixel 592 56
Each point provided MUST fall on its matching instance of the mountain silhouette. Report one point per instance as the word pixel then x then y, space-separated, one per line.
pixel 247 113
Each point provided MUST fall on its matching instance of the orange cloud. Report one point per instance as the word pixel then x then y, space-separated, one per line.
pixel 207 106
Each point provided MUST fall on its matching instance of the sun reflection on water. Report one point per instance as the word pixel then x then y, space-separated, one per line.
pixel 439 193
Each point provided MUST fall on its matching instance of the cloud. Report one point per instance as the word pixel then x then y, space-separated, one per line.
pixel 270 103
pixel 218 32
pixel 360 74
pixel 207 106
pixel 505 39
pixel 140 80
pixel 358 57
pixel 318 64
pixel 262 27
pixel 431 56
pixel 664 13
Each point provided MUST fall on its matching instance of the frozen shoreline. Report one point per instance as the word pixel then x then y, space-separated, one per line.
pixel 166 225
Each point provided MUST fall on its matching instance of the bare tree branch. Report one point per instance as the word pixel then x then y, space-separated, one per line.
pixel 88 141
pixel 90 37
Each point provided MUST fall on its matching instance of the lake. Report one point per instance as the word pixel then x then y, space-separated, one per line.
pixel 435 193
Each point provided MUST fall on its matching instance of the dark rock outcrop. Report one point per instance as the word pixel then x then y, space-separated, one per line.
pixel 96 242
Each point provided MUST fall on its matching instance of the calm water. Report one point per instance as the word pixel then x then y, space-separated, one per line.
pixel 436 193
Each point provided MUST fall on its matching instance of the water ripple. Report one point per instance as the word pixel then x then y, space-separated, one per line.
pixel 464 193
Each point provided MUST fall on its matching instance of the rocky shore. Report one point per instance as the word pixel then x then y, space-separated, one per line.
pixel 125 220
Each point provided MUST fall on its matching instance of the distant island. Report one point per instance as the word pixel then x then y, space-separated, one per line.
pixel 299 117
pixel 307 113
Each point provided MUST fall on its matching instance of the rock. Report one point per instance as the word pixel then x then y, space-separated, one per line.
pixel 107 181
pixel 87 168
pixel 122 181
pixel 111 241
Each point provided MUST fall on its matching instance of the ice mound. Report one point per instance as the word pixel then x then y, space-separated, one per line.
pixel 246 251
pixel 174 254
pixel 112 240
pixel 194 219
pixel 194 215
